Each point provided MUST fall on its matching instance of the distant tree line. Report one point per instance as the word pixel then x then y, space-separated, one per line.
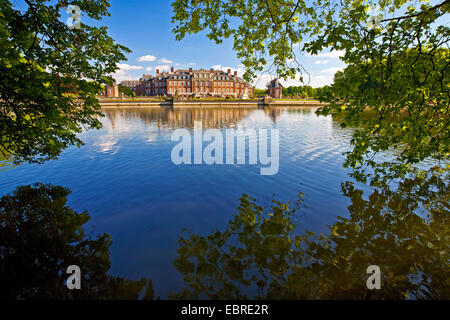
pixel 300 92
pixel 125 91
pixel 304 91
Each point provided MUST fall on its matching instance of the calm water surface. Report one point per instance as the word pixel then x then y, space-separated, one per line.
pixel 125 179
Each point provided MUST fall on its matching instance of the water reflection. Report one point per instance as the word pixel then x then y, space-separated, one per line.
pixel 185 117
pixel 6 161
pixel 405 232
pixel 40 237
pixel 124 177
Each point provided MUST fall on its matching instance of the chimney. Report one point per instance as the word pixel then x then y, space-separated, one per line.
pixel 235 73
pixel 171 69
pixel 157 71
pixel 229 71
pixel 190 70
pixel 212 70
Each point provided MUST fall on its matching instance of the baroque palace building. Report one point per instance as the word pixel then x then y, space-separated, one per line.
pixel 216 83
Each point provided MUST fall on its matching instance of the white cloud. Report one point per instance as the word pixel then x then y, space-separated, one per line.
pixel 314 81
pixel 164 60
pixel 320 81
pixel 148 58
pixel 164 67
pixel 126 72
pixel 124 66
pixel 121 75
pixel 262 80
pixel 149 69
pixel 321 61
pixel 332 70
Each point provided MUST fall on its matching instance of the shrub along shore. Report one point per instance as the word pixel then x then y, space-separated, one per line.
pixel 213 102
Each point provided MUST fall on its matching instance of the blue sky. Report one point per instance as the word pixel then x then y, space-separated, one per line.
pixel 145 27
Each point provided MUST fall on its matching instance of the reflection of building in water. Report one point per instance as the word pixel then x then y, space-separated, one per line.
pixel 273 113
pixel 185 117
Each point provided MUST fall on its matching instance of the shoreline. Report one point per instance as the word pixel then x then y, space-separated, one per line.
pixel 209 104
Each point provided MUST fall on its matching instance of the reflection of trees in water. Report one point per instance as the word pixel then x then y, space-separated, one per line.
pixel 185 117
pixel 40 237
pixel 303 111
pixel 405 232
pixel 6 160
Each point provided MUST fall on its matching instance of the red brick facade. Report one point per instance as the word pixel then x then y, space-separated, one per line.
pixel 194 83
pixel 275 89
pixel 112 91
pixel 132 84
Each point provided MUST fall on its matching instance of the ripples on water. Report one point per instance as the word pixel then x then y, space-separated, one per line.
pixel 125 178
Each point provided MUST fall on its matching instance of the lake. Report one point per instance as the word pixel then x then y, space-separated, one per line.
pixel 125 178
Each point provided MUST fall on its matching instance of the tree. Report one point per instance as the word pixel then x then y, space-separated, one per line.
pixel 405 232
pixel 260 91
pixel 397 62
pixel 126 91
pixel 301 91
pixel 40 236
pixel 51 76
pixel 399 103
